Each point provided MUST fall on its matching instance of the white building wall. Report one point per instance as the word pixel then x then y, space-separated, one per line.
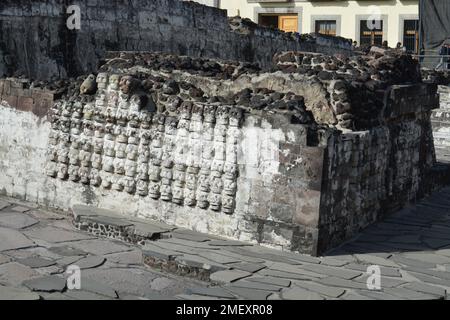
pixel 211 3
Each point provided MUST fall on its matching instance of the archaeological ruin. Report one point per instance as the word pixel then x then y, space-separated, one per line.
pixel 297 148
pixel 299 158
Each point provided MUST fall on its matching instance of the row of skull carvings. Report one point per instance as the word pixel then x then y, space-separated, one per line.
pixel 123 98
pixel 145 169
pixel 190 164
pixel 129 159
pixel 192 187
pixel 209 115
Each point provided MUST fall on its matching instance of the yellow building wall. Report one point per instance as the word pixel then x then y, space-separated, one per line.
pixel 391 10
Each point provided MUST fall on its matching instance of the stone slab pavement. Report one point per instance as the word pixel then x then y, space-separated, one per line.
pixel 37 246
pixel 411 249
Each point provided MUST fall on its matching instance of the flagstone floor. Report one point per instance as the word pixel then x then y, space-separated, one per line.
pixel 411 248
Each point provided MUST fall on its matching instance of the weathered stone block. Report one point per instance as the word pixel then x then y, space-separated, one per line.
pixel 307 208
pixel 25 103
pixel 277 234
pixel 281 212
pixel 12 101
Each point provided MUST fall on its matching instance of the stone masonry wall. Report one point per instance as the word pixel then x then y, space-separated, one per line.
pixel 372 173
pixel 196 164
pixel 441 120
pixel 35 42
pixel 16 95
pixel 291 159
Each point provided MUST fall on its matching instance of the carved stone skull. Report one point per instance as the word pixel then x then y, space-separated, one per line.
pixel 62 171
pixel 178 195
pixel 114 81
pixel 215 201
pixel 95 178
pixel 202 199
pixel 84 175
pixel 228 204
pixel 154 190
pixel 102 80
pixel 142 188
pixel 128 84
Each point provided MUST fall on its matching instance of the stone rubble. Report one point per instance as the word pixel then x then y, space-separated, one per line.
pixel 356 81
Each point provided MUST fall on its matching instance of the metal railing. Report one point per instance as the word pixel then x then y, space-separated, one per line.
pixel 439 62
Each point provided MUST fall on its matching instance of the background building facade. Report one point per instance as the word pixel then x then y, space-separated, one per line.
pixel 365 21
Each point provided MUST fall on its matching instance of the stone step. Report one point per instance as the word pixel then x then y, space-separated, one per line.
pixel 167 248
pixel 113 225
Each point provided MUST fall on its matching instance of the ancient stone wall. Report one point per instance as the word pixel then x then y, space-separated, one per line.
pixel 292 159
pixel 382 154
pixel 369 174
pixel 441 120
pixel 35 41
pixel 171 156
pixel 15 93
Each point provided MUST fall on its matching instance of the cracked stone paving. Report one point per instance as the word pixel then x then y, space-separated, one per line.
pixel 412 248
